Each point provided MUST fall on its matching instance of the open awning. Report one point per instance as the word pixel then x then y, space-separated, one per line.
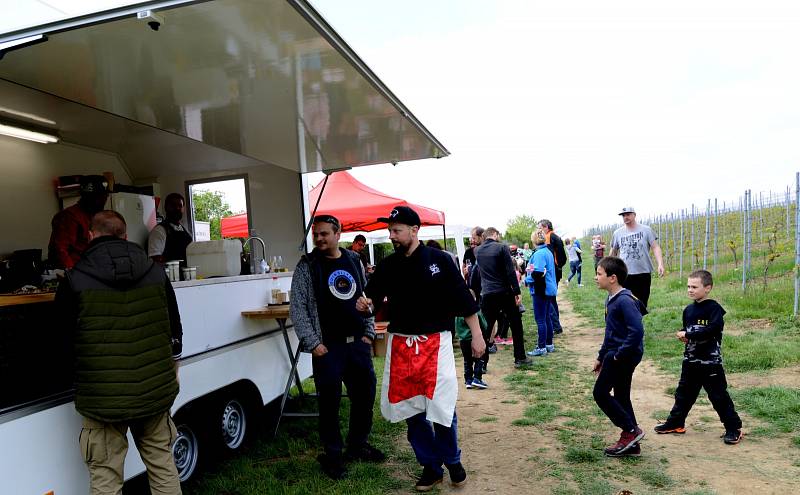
pixel 229 83
pixel 234 226
pixel 358 206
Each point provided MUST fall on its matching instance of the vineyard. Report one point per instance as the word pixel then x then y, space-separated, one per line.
pixel 749 245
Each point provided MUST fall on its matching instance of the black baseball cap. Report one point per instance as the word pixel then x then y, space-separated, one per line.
pixel 93 184
pixel 402 214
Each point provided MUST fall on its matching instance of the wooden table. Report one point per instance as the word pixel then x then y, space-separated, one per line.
pixel 17 299
pixel 281 314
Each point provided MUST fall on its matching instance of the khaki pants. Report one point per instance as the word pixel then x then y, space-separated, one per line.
pixel 104 445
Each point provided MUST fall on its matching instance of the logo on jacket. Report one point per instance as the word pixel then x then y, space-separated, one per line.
pixel 342 284
pixel 434 268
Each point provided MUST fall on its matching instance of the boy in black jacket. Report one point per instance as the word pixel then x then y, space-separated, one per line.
pixel 703 321
pixel 619 355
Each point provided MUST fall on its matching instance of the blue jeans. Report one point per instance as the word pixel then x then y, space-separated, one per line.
pixel 544 323
pixel 434 444
pixel 574 269
pixel 554 315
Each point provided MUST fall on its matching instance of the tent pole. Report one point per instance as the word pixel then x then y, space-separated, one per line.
pixel 304 246
pixel 444 236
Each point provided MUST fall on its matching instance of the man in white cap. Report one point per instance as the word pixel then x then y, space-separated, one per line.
pixel 632 243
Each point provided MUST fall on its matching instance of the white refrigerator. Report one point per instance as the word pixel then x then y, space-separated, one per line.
pixel 139 212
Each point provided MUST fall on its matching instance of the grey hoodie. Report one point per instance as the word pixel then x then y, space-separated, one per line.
pixel 304 301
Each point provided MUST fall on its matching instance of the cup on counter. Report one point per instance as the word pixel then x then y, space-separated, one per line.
pixel 189 273
pixel 173 270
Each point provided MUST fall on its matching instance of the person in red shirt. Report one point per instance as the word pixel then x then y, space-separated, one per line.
pixel 70 235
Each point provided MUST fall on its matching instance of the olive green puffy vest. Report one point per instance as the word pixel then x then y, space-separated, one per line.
pixel 124 366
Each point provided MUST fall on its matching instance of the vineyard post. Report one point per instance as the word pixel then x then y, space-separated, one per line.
pixel 744 241
pixel 680 272
pixel 674 239
pixel 705 243
pixel 788 205
pixel 716 233
pixel 691 250
pixel 796 239
pixel 761 218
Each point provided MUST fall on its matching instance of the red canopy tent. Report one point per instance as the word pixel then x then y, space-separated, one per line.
pixel 358 206
pixel 235 226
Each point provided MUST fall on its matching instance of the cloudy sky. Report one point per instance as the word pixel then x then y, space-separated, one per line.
pixel 570 110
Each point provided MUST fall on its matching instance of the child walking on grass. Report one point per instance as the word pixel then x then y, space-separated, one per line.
pixel 703 321
pixel 619 355
pixel 473 367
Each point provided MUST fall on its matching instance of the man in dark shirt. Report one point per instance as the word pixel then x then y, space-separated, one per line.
pixel 425 293
pixel 500 289
pixel 326 284
pixel 359 246
pixel 70 235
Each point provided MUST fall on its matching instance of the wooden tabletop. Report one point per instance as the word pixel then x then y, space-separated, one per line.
pixel 268 313
pixel 17 299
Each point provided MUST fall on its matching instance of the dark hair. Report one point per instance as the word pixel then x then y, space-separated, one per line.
pixel 329 219
pixel 546 223
pixel 704 275
pixel 172 196
pixel 361 238
pixel 490 232
pixel 108 222
pixel 478 231
pixel 434 244
pixel 614 266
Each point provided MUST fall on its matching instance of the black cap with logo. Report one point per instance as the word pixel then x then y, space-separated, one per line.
pixel 402 214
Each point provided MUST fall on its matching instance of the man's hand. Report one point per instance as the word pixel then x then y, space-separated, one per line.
pixel 319 351
pixel 598 366
pixel 517 299
pixel 681 335
pixel 366 340
pixel 660 270
pixel 478 348
pixel 364 304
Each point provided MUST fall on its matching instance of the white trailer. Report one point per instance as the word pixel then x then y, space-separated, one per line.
pixel 172 93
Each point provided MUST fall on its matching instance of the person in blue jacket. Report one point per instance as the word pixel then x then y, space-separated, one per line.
pixel 621 352
pixel 541 280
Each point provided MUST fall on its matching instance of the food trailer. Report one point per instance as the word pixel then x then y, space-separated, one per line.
pixel 164 95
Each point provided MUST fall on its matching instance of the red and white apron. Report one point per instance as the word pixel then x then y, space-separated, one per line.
pixel 419 376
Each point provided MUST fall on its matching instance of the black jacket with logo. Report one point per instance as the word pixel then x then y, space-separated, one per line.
pixel 425 291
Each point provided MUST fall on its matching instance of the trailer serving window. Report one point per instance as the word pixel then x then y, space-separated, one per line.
pixel 211 202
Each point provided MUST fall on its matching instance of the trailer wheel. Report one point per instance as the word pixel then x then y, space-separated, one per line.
pixel 234 424
pixel 186 451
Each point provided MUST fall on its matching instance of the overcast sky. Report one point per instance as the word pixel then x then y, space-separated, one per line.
pixel 570 110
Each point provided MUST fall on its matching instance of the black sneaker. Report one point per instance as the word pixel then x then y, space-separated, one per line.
pixel 366 453
pixel 732 437
pixel 428 480
pixel 332 466
pixel 668 427
pixel 491 349
pixel 523 362
pixel 458 476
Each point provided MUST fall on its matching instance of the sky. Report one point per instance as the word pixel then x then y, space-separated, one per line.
pixel 571 110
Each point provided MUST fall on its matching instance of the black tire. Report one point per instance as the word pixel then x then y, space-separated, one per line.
pixel 234 424
pixel 186 450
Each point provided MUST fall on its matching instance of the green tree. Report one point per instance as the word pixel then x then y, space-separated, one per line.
pixel 519 228
pixel 210 206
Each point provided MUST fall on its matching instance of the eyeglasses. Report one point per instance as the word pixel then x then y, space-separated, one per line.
pixel 327 219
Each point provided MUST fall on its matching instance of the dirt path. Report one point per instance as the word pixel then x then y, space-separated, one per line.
pixel 502 458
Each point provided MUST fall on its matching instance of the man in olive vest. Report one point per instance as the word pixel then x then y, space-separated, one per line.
pixel 123 317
